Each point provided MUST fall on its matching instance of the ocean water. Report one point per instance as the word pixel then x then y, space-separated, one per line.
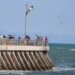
pixel 63 57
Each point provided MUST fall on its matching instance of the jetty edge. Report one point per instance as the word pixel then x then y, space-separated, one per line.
pixel 24 54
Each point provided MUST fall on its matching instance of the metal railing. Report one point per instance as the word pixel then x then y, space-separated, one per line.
pixel 6 41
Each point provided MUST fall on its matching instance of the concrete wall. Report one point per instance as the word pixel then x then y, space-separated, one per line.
pixel 24 48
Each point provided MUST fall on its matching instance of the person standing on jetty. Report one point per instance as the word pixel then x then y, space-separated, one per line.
pixel 46 41
pixel 1 36
pixel 36 37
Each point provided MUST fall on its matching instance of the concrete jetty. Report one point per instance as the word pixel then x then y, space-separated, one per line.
pixel 24 55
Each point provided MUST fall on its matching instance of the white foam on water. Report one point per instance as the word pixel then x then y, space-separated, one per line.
pixel 59 69
pixel 56 69
pixel 58 48
pixel 14 72
pixel 72 49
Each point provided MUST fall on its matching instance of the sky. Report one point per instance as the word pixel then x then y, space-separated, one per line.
pixel 52 18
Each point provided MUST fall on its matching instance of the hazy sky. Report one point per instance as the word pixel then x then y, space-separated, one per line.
pixel 55 18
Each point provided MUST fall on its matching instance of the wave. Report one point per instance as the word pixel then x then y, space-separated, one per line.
pixel 56 69
pixel 58 48
pixel 72 49
pixel 19 72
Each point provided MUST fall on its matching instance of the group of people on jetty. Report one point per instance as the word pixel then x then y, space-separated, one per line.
pixel 27 38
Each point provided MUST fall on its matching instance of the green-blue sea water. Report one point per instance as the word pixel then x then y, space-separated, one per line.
pixel 63 58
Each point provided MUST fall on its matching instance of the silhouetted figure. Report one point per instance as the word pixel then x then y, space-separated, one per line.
pixel 4 36
pixel 10 37
pixel 19 37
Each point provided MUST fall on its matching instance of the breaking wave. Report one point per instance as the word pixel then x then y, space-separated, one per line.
pixel 56 69
pixel 72 49
pixel 14 72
